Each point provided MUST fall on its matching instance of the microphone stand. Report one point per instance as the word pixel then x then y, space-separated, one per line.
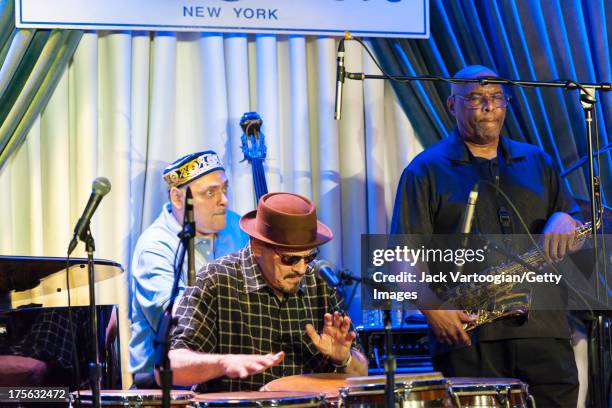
pixel 597 331
pixel 167 322
pixel 390 362
pixel 587 100
pixel 346 278
pixel 94 365
pixel 189 236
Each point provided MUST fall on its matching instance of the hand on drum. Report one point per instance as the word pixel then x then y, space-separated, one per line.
pixel 244 365
pixel 335 339
pixel 448 326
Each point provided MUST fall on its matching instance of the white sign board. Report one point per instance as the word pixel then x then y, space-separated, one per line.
pixel 371 18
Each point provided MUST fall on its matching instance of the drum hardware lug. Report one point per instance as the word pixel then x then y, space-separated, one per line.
pixel 454 396
pixel 504 395
pixel 532 401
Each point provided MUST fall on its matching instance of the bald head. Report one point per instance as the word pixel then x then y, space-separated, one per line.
pixel 471 72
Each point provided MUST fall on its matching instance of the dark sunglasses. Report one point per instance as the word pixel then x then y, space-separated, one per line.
pixel 290 260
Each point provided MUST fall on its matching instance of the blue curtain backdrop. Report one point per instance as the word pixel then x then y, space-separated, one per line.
pixel 520 39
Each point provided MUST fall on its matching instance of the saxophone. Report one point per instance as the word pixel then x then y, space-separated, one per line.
pixel 490 302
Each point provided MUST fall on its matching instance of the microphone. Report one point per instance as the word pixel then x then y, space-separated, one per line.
pixel 340 74
pixel 101 187
pixel 468 217
pixel 191 245
pixel 326 271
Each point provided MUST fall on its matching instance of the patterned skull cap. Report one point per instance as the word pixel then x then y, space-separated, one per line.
pixel 191 167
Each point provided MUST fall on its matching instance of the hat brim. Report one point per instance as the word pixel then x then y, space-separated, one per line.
pixel 247 224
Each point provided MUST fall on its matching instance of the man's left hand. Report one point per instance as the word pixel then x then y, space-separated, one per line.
pixel 335 340
pixel 559 236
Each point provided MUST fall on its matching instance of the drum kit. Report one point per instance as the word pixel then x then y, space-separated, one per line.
pixel 422 390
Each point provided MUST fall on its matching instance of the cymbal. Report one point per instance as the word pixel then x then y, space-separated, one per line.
pixel 21 273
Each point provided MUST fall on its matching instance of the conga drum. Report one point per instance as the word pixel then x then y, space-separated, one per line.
pixel 259 399
pixel 331 384
pixel 132 398
pixel 490 393
pixel 423 390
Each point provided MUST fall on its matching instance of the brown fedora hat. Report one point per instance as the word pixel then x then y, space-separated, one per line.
pixel 286 220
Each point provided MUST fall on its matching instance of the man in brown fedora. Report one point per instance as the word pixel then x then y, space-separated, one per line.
pixel 261 313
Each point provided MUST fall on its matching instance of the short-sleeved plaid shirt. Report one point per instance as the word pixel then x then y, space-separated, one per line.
pixel 232 310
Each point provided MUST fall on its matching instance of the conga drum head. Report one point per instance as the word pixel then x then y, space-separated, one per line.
pixel 427 393
pixel 326 383
pixel 489 392
pixel 259 399
pixel 133 398
pixel 404 377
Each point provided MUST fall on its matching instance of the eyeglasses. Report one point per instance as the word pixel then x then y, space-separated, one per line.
pixel 290 260
pixel 498 100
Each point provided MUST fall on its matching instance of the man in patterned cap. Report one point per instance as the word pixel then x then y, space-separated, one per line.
pixel 152 269
pixel 262 313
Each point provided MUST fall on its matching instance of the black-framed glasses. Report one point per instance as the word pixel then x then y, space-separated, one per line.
pixel 498 100
pixel 290 260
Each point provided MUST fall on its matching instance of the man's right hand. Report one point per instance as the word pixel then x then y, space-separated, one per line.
pixel 448 326
pixel 244 365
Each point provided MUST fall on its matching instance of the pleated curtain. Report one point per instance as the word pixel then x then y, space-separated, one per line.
pixel 521 39
pixel 131 102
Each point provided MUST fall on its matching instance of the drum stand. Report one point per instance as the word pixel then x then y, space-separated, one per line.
pixel 94 365
pixel 162 362
pixel 162 343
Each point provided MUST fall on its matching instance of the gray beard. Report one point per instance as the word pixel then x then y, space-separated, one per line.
pixel 292 291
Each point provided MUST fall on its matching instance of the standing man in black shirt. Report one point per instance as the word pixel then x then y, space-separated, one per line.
pixel 431 199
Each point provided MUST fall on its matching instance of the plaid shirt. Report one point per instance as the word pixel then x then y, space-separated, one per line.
pixel 232 310
pixel 49 339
